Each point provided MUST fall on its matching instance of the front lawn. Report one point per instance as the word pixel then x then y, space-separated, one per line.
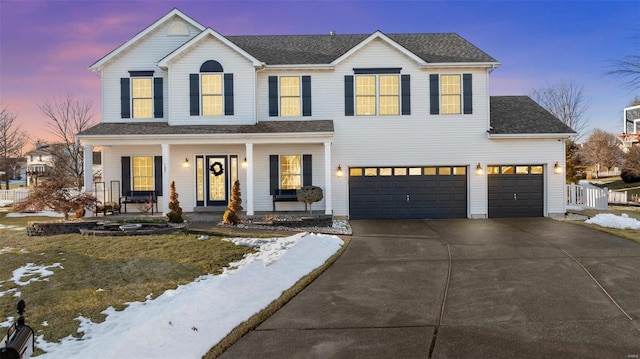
pixel 73 275
pixel 632 212
pixel 618 185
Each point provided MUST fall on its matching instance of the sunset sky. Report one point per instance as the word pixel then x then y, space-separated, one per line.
pixel 46 46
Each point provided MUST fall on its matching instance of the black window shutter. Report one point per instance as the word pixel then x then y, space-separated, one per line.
pixel 306 95
pixel 157 174
pixel 348 95
pixel 125 98
pixel 405 84
pixel 158 106
pixel 126 175
pixel 467 98
pixel 194 94
pixel 307 171
pixel 434 89
pixel 273 96
pixel 274 174
pixel 228 94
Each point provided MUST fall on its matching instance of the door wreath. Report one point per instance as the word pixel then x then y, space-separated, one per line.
pixel 216 168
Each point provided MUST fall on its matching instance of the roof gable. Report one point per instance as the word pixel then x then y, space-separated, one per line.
pixel 163 63
pixel 175 12
pixel 379 35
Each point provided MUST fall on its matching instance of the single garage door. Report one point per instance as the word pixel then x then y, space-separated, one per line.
pixel 516 191
pixel 407 192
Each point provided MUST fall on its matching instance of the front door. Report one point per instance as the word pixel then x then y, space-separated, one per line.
pixel 214 176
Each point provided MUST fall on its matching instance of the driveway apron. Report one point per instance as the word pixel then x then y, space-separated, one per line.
pixel 526 288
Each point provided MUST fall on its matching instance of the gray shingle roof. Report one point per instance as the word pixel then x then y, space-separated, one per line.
pixel 323 49
pixel 163 128
pixel 521 115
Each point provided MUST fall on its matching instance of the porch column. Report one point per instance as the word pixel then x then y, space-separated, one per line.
pixel 249 188
pixel 165 178
pixel 88 174
pixel 328 177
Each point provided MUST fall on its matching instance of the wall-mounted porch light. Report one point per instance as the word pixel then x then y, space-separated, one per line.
pixel 185 164
pixel 339 171
pixel 479 170
pixel 244 163
pixel 557 169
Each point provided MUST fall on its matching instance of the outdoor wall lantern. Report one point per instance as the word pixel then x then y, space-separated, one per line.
pixel 339 171
pixel 557 169
pixel 185 164
pixel 479 170
pixel 244 163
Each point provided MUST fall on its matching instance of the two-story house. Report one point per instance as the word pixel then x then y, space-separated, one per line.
pixel 388 125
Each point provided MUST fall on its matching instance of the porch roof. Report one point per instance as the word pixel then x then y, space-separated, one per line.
pixel 520 116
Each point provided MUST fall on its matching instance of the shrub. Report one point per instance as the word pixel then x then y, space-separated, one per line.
pixel 235 205
pixel 52 195
pixel 309 195
pixel 175 211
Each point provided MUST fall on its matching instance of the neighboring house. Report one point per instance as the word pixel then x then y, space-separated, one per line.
pixel 388 125
pixel 40 163
pixel 630 128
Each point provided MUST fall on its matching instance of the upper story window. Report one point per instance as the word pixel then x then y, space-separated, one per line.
pixel 141 95
pixel 211 94
pixel 451 94
pixel 376 91
pixel 289 96
pixel 377 94
pixel 211 91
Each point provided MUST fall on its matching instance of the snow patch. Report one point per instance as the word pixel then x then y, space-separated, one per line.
pixel 612 221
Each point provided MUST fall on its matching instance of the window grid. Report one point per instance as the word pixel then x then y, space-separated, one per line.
pixel 365 95
pixel 141 97
pixel 142 170
pixel 377 94
pixel 290 96
pixel 389 95
pixel 290 171
pixel 211 94
pixel 451 94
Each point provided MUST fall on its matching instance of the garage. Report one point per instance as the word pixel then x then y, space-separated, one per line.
pixel 516 191
pixel 408 192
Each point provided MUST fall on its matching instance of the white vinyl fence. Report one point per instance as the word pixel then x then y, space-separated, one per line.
pixel 587 196
pixel 11 196
pixel 618 197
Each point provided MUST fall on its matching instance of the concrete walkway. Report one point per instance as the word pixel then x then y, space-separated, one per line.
pixel 509 288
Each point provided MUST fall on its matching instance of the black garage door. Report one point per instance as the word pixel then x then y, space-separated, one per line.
pixel 401 192
pixel 516 191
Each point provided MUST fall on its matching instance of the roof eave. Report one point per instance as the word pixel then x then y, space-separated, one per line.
pixel 300 67
pixel 226 138
pixel 499 136
pixel 488 65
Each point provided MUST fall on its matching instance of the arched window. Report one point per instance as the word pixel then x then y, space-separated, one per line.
pixel 178 29
pixel 211 90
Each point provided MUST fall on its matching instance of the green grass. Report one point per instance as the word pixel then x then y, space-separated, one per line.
pixel 618 185
pixel 99 272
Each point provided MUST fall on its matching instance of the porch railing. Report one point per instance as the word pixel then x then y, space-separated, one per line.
pixel 588 197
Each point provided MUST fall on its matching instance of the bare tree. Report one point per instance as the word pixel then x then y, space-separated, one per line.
pixel 631 166
pixel 12 140
pixel 601 150
pixel 629 68
pixel 566 101
pixel 67 117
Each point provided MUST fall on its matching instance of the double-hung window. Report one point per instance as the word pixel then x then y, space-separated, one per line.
pixel 377 94
pixel 289 96
pixel 377 91
pixel 451 94
pixel 290 171
pixel 142 173
pixel 211 94
pixel 141 97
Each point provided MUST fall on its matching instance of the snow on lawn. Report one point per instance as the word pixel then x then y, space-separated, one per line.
pixel 613 221
pixel 188 321
pixel 35 214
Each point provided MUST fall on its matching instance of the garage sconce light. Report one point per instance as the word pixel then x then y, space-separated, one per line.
pixel 479 170
pixel 339 171
pixel 557 169
pixel 244 163
pixel 185 164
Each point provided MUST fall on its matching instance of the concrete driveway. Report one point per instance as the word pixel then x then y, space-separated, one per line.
pixel 504 288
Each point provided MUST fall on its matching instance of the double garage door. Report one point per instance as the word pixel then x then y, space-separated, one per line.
pixel 441 192
pixel 407 192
